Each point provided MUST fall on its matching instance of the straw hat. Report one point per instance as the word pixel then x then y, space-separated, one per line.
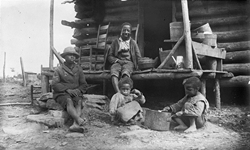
pixel 69 50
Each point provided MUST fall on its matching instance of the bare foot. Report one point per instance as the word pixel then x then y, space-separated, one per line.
pixel 75 128
pixel 180 127
pixel 190 129
pixel 81 121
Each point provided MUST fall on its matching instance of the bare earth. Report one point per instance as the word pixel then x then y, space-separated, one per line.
pixel 227 129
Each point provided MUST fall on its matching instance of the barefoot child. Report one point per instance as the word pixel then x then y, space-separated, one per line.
pixel 190 111
pixel 125 105
pixel 68 85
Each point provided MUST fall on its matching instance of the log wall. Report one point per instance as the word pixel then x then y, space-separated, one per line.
pixel 230 21
pixel 91 13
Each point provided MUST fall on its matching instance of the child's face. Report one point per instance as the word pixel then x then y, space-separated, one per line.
pixel 190 90
pixel 125 89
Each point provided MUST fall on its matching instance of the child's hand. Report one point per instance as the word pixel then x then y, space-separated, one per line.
pixel 167 108
pixel 136 92
pixel 179 113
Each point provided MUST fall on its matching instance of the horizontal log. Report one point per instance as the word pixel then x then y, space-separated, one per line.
pixel 87 58
pixel 113 31
pixel 109 19
pixel 213 10
pixel 231 27
pixel 219 21
pixel 235 81
pixel 233 36
pixel 144 76
pixel 238 57
pixel 117 10
pixel 91 41
pixel 85 66
pixel 237 69
pixel 235 46
pixel 115 3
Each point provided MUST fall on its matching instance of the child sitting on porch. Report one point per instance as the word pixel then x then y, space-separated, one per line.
pixel 190 111
pixel 125 105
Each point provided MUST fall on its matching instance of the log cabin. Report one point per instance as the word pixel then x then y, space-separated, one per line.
pixel 228 20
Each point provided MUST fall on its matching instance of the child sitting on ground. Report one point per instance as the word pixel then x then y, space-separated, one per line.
pixel 125 105
pixel 190 111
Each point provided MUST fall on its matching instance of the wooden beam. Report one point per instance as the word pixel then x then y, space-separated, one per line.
pixel 187 33
pixel 206 50
pixel 171 53
pixel 51 56
pixel 59 57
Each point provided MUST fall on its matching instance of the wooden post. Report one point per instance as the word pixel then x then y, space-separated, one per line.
pixel 23 73
pixel 4 67
pixel 217 94
pixel 51 57
pixel 173 11
pixel 203 87
pixel 187 33
pixel 44 82
pixel 141 23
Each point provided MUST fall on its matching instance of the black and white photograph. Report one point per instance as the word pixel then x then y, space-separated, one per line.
pixel 124 74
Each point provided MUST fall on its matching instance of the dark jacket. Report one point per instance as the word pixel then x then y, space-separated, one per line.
pixel 134 52
pixel 65 78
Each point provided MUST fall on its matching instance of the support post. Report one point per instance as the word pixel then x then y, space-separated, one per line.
pixel 187 33
pixel 4 67
pixel 23 73
pixel 173 11
pixel 217 94
pixel 141 23
pixel 203 87
pixel 51 57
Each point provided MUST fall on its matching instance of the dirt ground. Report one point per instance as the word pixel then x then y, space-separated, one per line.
pixel 227 129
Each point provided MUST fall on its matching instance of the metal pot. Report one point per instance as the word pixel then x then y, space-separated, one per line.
pixel 157 120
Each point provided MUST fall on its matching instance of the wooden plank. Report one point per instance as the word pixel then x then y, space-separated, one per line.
pixel 206 50
pixel 172 52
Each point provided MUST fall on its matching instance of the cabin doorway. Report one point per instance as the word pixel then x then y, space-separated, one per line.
pixel 157 16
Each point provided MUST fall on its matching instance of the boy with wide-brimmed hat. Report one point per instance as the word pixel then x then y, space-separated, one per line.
pixel 68 85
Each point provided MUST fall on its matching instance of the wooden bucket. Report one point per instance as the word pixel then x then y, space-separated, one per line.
pixel 156 120
pixel 176 30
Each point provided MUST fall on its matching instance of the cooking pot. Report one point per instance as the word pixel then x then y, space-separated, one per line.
pixel 157 120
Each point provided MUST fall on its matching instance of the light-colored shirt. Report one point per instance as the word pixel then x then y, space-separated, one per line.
pixel 118 100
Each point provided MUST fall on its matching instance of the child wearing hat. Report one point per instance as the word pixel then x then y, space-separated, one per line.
pixel 125 105
pixel 69 84
pixel 190 112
